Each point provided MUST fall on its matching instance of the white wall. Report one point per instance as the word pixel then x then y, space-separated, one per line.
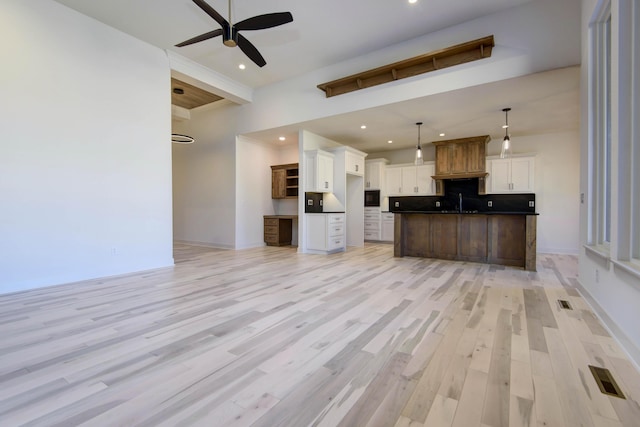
pixel 204 175
pixel 85 182
pixel 557 187
pixel 222 183
pixel 613 293
pixel 253 189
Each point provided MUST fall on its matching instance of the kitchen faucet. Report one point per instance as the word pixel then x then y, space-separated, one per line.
pixel 460 202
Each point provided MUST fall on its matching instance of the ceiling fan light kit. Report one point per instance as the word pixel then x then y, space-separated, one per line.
pixel 230 32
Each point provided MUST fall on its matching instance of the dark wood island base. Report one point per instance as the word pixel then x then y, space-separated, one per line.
pixel 504 239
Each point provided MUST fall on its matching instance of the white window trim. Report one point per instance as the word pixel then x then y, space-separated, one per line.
pixel 623 250
pixel 597 129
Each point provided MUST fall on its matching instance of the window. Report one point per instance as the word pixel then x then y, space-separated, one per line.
pixel 606 137
pixel 634 111
pixel 614 134
pixel 601 120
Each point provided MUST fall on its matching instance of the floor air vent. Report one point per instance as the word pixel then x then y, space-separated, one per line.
pixel 565 304
pixel 606 382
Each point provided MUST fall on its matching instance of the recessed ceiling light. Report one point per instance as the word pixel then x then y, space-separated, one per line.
pixel 363 127
pixel 282 138
pixel 413 1
pixel 178 91
pixel 242 66
pixel 442 134
pixel 389 142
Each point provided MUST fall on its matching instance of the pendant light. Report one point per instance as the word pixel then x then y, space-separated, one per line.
pixel 419 159
pixel 179 138
pixel 506 141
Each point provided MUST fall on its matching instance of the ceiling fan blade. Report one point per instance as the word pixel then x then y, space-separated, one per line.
pixel 201 37
pixel 261 22
pixel 212 13
pixel 250 50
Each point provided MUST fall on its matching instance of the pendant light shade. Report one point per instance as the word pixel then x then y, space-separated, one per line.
pixel 419 158
pixel 506 141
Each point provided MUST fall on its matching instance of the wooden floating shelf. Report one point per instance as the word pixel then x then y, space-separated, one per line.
pixel 436 60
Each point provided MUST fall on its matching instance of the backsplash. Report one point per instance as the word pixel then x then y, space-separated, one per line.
pixel 312 202
pixel 471 200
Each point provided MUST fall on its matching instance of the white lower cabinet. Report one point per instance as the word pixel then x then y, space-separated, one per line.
pixel 372 223
pixel 325 232
pixel 387 226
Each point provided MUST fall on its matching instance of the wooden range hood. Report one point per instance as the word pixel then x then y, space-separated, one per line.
pixel 461 158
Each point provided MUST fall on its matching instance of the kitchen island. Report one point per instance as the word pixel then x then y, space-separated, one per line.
pixel 504 238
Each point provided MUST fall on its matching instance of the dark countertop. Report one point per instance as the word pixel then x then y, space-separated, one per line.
pixel 281 216
pixel 465 213
pixel 324 212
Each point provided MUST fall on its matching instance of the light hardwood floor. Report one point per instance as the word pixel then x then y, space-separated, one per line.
pixel 267 337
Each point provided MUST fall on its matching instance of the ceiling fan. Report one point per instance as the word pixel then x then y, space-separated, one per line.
pixel 230 33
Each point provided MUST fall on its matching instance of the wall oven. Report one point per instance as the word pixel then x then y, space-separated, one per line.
pixel 372 198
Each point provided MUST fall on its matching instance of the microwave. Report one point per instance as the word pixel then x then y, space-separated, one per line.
pixel 372 198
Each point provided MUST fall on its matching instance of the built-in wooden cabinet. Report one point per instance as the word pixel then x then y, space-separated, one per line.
pixel 507 235
pixel 410 180
pixel 374 174
pixel 496 239
pixel 473 238
pixel 461 158
pixel 512 175
pixel 325 232
pixel 319 171
pixel 278 229
pixel 284 181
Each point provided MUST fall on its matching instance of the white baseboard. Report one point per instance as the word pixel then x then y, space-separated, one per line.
pixel 627 345
pixel 205 244
pixel 558 251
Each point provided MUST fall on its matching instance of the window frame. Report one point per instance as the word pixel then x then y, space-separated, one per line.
pixel 600 103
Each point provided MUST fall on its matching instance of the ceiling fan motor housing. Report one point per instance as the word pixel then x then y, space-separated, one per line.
pixel 230 36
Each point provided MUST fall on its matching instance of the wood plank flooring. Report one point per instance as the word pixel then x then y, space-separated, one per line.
pixel 267 337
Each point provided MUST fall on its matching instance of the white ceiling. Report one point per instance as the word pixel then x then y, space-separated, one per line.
pixel 325 32
pixel 541 103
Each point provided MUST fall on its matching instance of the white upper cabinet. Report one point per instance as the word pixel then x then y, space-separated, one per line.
pixel 411 180
pixel 349 159
pixel 425 185
pixel 393 183
pixel 513 175
pixel 354 163
pixel 522 173
pixel 318 171
pixel 374 174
